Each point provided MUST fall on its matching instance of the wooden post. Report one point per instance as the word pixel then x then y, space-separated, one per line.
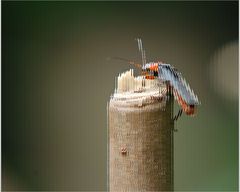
pixel 140 150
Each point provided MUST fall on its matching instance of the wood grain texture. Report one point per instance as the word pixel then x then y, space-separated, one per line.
pixel 140 147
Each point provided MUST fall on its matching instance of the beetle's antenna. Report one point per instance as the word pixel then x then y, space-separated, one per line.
pixel 143 53
pixel 126 60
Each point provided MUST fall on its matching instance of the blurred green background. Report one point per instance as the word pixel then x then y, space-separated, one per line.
pixel 56 82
